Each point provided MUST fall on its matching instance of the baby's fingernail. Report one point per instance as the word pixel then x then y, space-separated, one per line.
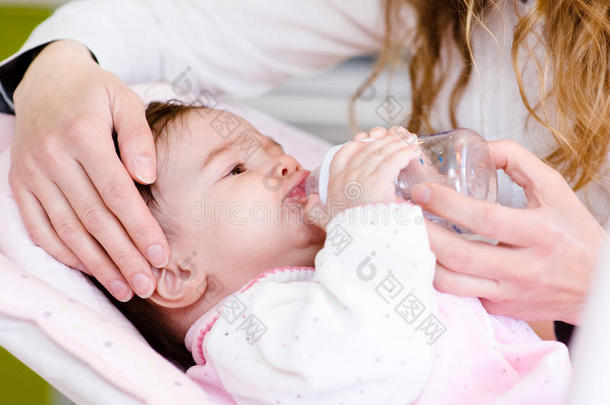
pixel 142 285
pixel 409 136
pixel 156 255
pixel 120 290
pixel 421 194
pixel 377 132
pixel 143 167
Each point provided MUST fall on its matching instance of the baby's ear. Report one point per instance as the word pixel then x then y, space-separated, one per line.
pixel 179 285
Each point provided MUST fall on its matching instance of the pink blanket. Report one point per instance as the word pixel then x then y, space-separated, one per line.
pixel 70 312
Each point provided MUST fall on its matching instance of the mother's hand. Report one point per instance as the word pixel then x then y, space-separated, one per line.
pixel 546 253
pixel 77 200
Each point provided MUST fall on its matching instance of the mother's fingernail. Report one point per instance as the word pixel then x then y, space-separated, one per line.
pixel 156 255
pixel 421 194
pixel 120 290
pixel 143 285
pixel 143 167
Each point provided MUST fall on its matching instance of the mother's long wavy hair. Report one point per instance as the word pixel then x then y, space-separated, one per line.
pixel 576 36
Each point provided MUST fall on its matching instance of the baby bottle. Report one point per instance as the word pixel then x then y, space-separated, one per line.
pixel 458 158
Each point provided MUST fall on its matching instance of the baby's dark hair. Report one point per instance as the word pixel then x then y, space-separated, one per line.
pixel 148 318
pixel 159 115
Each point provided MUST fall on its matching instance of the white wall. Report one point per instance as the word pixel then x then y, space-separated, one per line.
pixel 320 104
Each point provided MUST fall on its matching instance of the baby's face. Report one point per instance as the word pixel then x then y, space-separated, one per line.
pixel 226 197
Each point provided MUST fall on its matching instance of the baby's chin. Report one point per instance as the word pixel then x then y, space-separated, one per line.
pixel 306 232
pixel 318 235
pixel 307 235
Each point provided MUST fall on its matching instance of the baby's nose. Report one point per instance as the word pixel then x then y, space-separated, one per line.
pixel 286 165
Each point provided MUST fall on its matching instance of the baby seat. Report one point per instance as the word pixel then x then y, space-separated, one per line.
pixel 56 322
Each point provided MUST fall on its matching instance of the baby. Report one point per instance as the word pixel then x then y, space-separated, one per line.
pixel 279 300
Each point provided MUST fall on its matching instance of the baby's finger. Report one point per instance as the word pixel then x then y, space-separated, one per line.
pixel 360 136
pixel 344 155
pixel 382 156
pixel 371 149
pixel 378 132
pixel 390 166
pixel 408 137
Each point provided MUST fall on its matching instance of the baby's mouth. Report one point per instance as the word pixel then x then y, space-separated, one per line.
pixel 297 194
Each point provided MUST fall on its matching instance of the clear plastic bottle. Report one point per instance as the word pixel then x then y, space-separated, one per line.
pixel 458 158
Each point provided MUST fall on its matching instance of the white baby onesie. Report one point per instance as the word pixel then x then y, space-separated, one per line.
pixel 363 327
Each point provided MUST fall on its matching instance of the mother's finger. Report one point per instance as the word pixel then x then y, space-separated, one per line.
pixel 120 195
pixel 99 221
pixel 71 231
pixel 464 285
pixel 41 231
pixel 514 226
pixel 475 258
pixel 134 137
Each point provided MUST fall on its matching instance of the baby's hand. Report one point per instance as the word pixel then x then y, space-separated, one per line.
pixel 363 172
pixel 378 132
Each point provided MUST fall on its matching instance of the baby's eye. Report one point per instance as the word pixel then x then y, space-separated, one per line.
pixel 238 169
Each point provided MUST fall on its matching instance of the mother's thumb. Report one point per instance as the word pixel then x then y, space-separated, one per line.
pixel 526 169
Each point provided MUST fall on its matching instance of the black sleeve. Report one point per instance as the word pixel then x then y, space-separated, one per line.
pixel 563 332
pixel 11 74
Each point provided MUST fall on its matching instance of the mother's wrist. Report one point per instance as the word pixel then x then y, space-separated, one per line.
pixel 54 56
pixel 65 48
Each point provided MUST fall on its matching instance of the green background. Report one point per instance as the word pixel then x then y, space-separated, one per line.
pixel 16 23
pixel 18 383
